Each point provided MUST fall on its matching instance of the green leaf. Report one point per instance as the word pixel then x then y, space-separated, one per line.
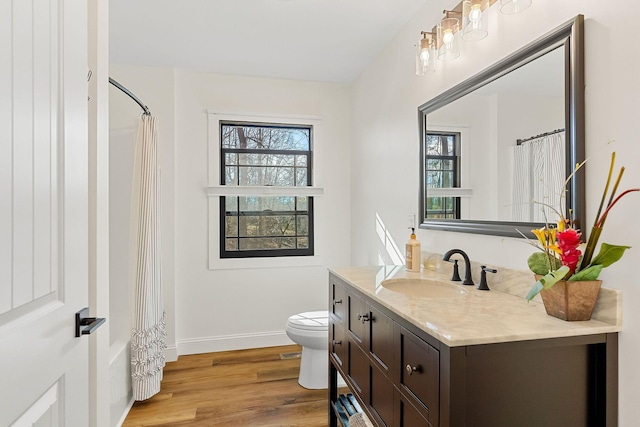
pixel 535 290
pixel 590 273
pixel 539 263
pixel 547 281
pixel 609 254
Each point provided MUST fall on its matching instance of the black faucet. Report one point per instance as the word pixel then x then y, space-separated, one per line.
pixel 467 266
pixel 483 286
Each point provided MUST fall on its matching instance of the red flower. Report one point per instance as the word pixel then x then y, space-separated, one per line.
pixel 568 241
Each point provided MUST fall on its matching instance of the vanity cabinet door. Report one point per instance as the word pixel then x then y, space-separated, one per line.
pixel 372 386
pixel 418 371
pixel 338 345
pixel 358 370
pixel 406 414
pixel 338 302
pixel 358 314
pixel 381 397
pixel 380 343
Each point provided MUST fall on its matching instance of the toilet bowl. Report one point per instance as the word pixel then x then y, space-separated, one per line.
pixel 310 330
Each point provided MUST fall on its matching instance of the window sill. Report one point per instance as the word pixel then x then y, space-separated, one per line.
pixel 449 192
pixel 236 190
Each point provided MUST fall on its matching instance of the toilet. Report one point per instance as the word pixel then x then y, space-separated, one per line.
pixel 310 330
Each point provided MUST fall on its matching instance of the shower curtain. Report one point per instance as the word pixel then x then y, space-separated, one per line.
pixel 539 175
pixel 148 335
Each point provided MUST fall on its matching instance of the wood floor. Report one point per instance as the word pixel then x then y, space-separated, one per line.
pixel 252 388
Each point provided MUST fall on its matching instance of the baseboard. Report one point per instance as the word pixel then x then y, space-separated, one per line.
pixel 126 412
pixel 171 353
pixel 233 342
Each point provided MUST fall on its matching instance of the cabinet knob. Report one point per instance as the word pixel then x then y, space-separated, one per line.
pixel 363 317
pixel 338 342
pixel 337 301
pixel 411 369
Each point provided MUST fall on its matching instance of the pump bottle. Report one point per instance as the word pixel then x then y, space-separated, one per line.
pixel 413 253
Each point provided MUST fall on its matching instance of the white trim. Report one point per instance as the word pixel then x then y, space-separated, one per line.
pixel 450 192
pixel 241 190
pixel 171 353
pixel 465 161
pixel 233 342
pixel 275 118
pixel 125 413
pixel 214 189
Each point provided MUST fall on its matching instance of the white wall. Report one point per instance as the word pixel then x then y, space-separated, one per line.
pixel 384 167
pixel 235 308
pixel 240 308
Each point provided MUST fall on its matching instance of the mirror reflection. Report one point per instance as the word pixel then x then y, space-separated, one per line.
pixel 491 152
pixel 498 146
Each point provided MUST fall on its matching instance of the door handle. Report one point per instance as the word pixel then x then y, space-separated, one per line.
pixel 86 325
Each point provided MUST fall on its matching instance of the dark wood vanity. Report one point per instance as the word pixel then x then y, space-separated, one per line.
pixel 403 376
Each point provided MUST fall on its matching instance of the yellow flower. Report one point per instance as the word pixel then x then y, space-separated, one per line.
pixel 562 225
pixel 546 236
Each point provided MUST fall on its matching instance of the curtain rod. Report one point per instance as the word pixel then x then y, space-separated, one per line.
pixel 520 141
pixel 130 95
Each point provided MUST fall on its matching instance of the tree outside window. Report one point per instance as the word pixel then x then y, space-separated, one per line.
pixel 441 163
pixel 266 155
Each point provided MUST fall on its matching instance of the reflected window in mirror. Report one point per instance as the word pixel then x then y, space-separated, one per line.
pixel 442 170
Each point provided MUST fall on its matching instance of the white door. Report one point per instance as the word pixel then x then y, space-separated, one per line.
pixel 43 212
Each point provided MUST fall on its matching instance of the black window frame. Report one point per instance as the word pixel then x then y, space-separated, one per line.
pixel 455 208
pixel 266 253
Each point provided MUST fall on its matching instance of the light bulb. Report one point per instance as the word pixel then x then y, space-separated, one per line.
pixel 424 56
pixel 447 37
pixel 475 14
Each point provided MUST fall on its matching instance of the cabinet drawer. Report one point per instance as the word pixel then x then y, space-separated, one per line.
pixel 418 369
pixel 338 345
pixel 338 301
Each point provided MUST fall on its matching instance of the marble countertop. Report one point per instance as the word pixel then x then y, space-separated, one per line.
pixel 479 317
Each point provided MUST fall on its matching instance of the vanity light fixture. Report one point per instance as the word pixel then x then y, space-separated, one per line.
pixel 447 38
pixel 510 7
pixel 474 20
pixel 426 54
pixel 470 19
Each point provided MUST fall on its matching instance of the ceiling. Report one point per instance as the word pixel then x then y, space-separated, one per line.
pixel 317 40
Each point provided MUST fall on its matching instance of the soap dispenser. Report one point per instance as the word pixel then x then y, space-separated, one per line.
pixel 413 253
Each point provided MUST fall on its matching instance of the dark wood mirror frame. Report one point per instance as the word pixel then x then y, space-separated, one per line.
pixel 570 36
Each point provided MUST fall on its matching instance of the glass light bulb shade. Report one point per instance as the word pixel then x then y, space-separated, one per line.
pixel 509 7
pixel 446 35
pixel 474 20
pixel 425 57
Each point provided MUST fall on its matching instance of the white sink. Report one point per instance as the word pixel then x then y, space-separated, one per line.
pixel 421 288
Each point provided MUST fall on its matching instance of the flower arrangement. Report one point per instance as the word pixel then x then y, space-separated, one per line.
pixel 560 256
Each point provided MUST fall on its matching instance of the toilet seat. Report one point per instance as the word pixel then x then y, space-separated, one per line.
pixel 310 321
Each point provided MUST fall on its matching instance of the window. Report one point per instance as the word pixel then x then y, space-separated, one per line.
pixel 442 170
pixel 265 155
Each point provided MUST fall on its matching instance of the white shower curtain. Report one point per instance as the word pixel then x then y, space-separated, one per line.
pixel 539 175
pixel 148 335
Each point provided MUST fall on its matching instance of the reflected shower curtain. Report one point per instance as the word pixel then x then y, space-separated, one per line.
pixel 539 175
pixel 148 335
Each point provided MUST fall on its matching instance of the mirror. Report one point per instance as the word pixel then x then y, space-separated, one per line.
pixel 506 136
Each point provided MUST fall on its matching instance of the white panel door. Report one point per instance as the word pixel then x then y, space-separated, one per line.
pixel 43 212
